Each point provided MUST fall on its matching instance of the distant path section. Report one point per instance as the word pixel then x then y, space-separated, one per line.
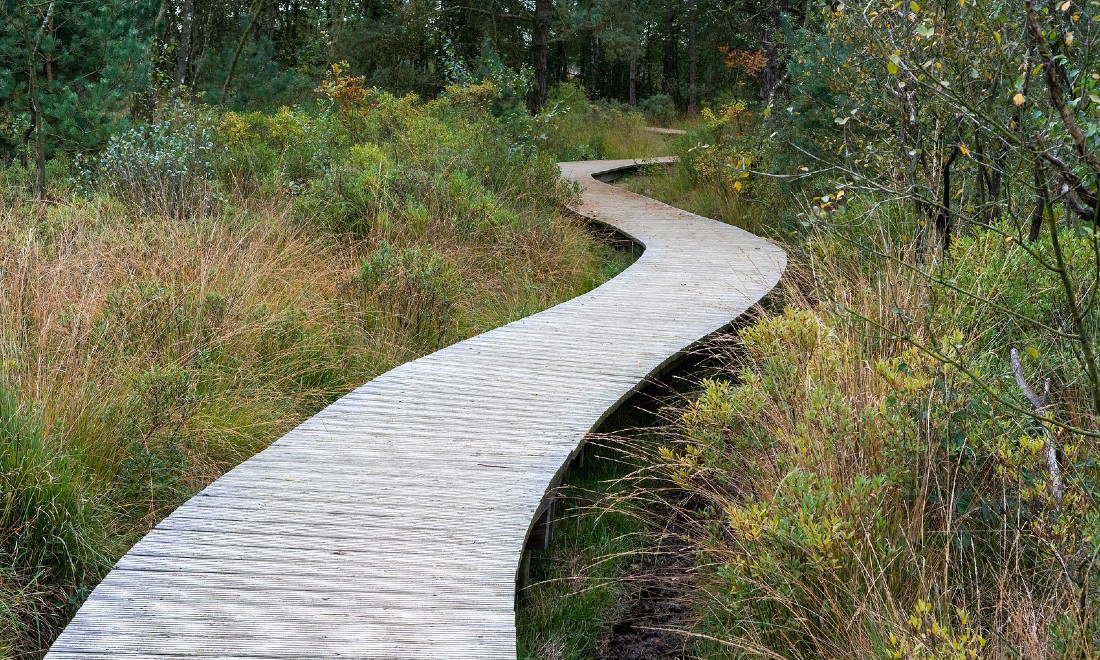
pixel 392 523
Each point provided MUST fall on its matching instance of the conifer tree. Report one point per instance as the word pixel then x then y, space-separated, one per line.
pixel 67 71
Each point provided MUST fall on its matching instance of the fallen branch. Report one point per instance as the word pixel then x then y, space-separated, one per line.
pixel 1040 407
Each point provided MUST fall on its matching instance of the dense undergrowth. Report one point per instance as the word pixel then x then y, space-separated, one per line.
pixel 206 281
pixel 870 482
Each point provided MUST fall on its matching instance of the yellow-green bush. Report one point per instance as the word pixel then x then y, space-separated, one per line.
pixel 855 497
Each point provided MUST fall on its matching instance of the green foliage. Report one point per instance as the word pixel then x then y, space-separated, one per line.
pixel 352 195
pixel 95 52
pixel 478 213
pixel 823 82
pixel 659 108
pixel 511 85
pixel 265 84
pixel 1000 296
pixel 289 148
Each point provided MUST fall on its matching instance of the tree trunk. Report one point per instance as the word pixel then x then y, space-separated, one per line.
pixel 183 54
pixel 944 220
pixel 34 97
pixel 668 80
pixel 996 184
pixel 561 61
pixel 693 66
pixel 594 92
pixel 633 92
pixel 252 22
pixel 774 69
pixel 541 55
pixel 1041 202
pixel 49 60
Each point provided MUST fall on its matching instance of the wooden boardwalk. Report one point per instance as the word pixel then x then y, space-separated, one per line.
pixel 392 523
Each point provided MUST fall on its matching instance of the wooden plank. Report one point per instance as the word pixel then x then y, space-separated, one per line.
pixel 392 523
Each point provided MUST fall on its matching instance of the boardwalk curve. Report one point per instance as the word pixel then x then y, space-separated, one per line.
pixel 392 523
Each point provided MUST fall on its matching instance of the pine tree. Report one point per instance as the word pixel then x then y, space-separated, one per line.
pixel 67 71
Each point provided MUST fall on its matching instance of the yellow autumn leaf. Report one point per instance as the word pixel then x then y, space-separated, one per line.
pixel 1066 4
pixel 964 150
pixel 1018 99
pixel 1069 38
pixel 737 186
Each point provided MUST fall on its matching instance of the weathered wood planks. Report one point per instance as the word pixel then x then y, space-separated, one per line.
pixel 392 523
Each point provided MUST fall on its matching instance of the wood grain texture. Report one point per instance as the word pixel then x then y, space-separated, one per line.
pixel 392 523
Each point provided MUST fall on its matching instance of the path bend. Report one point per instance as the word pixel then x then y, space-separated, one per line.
pixel 392 523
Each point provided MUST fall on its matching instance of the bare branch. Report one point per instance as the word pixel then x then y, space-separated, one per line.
pixel 1040 407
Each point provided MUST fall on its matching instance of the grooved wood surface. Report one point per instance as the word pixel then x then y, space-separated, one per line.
pixel 392 523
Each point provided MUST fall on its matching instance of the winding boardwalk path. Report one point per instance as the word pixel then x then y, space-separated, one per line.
pixel 392 523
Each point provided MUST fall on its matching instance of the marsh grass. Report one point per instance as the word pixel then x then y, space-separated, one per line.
pixel 614 536
pixel 843 494
pixel 578 129
pixel 575 590
pixel 679 186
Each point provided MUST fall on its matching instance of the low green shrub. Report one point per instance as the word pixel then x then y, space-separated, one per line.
pixel 150 421
pixel 474 209
pixel 659 108
pixel 414 284
pixel 354 195
pixel 167 168
pixel 289 148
